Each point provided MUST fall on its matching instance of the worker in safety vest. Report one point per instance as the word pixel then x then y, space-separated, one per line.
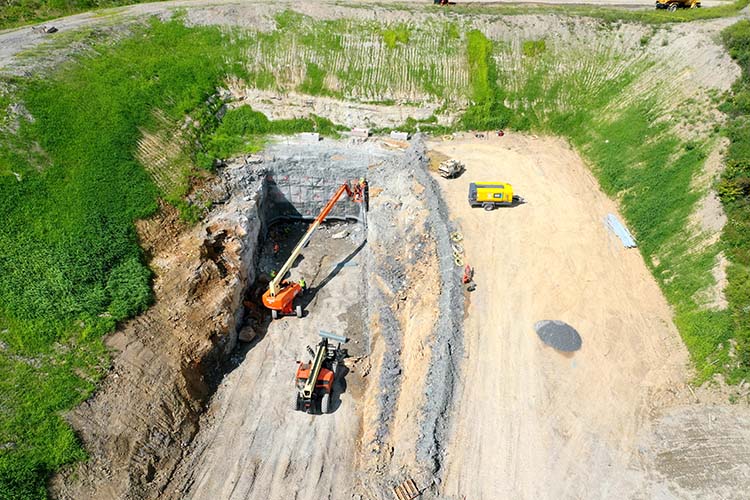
pixel 364 193
pixel 302 284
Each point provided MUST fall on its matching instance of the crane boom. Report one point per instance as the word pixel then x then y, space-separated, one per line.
pixel 273 286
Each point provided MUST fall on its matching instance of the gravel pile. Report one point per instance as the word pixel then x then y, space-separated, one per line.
pixel 559 335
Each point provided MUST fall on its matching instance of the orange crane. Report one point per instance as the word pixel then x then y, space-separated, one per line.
pixel 279 297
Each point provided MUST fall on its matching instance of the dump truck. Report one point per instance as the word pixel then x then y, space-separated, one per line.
pixel 490 195
pixel 673 5
pixel 451 169
pixel 315 379
pixel 281 294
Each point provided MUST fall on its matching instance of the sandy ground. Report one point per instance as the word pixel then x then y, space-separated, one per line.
pixel 532 422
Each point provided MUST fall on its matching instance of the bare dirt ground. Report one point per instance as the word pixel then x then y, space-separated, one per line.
pixel 531 422
pixel 255 444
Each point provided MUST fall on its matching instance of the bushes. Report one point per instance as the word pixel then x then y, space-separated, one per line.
pixel 242 129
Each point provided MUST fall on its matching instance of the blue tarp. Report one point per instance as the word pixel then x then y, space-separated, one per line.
pixel 614 224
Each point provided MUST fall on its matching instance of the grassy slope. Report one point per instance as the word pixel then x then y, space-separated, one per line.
pixel 734 188
pixel 365 61
pixel 70 264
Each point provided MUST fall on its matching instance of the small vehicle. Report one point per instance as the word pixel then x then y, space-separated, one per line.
pixel 315 379
pixel 450 169
pixel 490 195
pixel 44 29
pixel 673 5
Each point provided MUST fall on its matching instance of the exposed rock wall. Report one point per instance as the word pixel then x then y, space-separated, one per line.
pixel 166 360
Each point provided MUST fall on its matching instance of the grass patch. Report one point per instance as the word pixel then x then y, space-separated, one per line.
pixel 734 190
pixel 396 35
pixel 244 130
pixel 532 48
pixel 314 83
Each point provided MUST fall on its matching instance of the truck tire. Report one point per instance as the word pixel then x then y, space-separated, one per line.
pixel 488 206
pixel 274 314
pixel 672 7
pixel 297 406
pixel 325 403
pixel 298 310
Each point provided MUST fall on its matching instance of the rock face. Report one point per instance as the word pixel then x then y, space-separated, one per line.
pixel 146 410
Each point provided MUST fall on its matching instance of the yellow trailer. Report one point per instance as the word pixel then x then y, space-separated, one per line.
pixel 492 194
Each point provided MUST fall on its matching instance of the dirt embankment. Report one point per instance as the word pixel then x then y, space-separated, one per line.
pixel 146 409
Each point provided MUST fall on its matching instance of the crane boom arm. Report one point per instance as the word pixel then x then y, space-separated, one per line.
pixel 273 287
pixel 317 364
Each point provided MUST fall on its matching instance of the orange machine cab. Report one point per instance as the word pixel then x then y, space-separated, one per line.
pixel 325 377
pixel 284 300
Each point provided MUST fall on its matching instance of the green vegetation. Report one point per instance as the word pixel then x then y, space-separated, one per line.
pixel 532 48
pixel 487 110
pixel 734 189
pixel 396 35
pixel 366 61
pixel 71 267
pixel 243 130
pixel 607 14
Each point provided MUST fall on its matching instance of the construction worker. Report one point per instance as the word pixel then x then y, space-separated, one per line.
pixel 364 193
pixel 276 248
pixel 302 284
pixel 273 273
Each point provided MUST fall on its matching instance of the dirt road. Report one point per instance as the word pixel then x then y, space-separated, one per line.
pixel 254 445
pixel 537 423
pixel 16 40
